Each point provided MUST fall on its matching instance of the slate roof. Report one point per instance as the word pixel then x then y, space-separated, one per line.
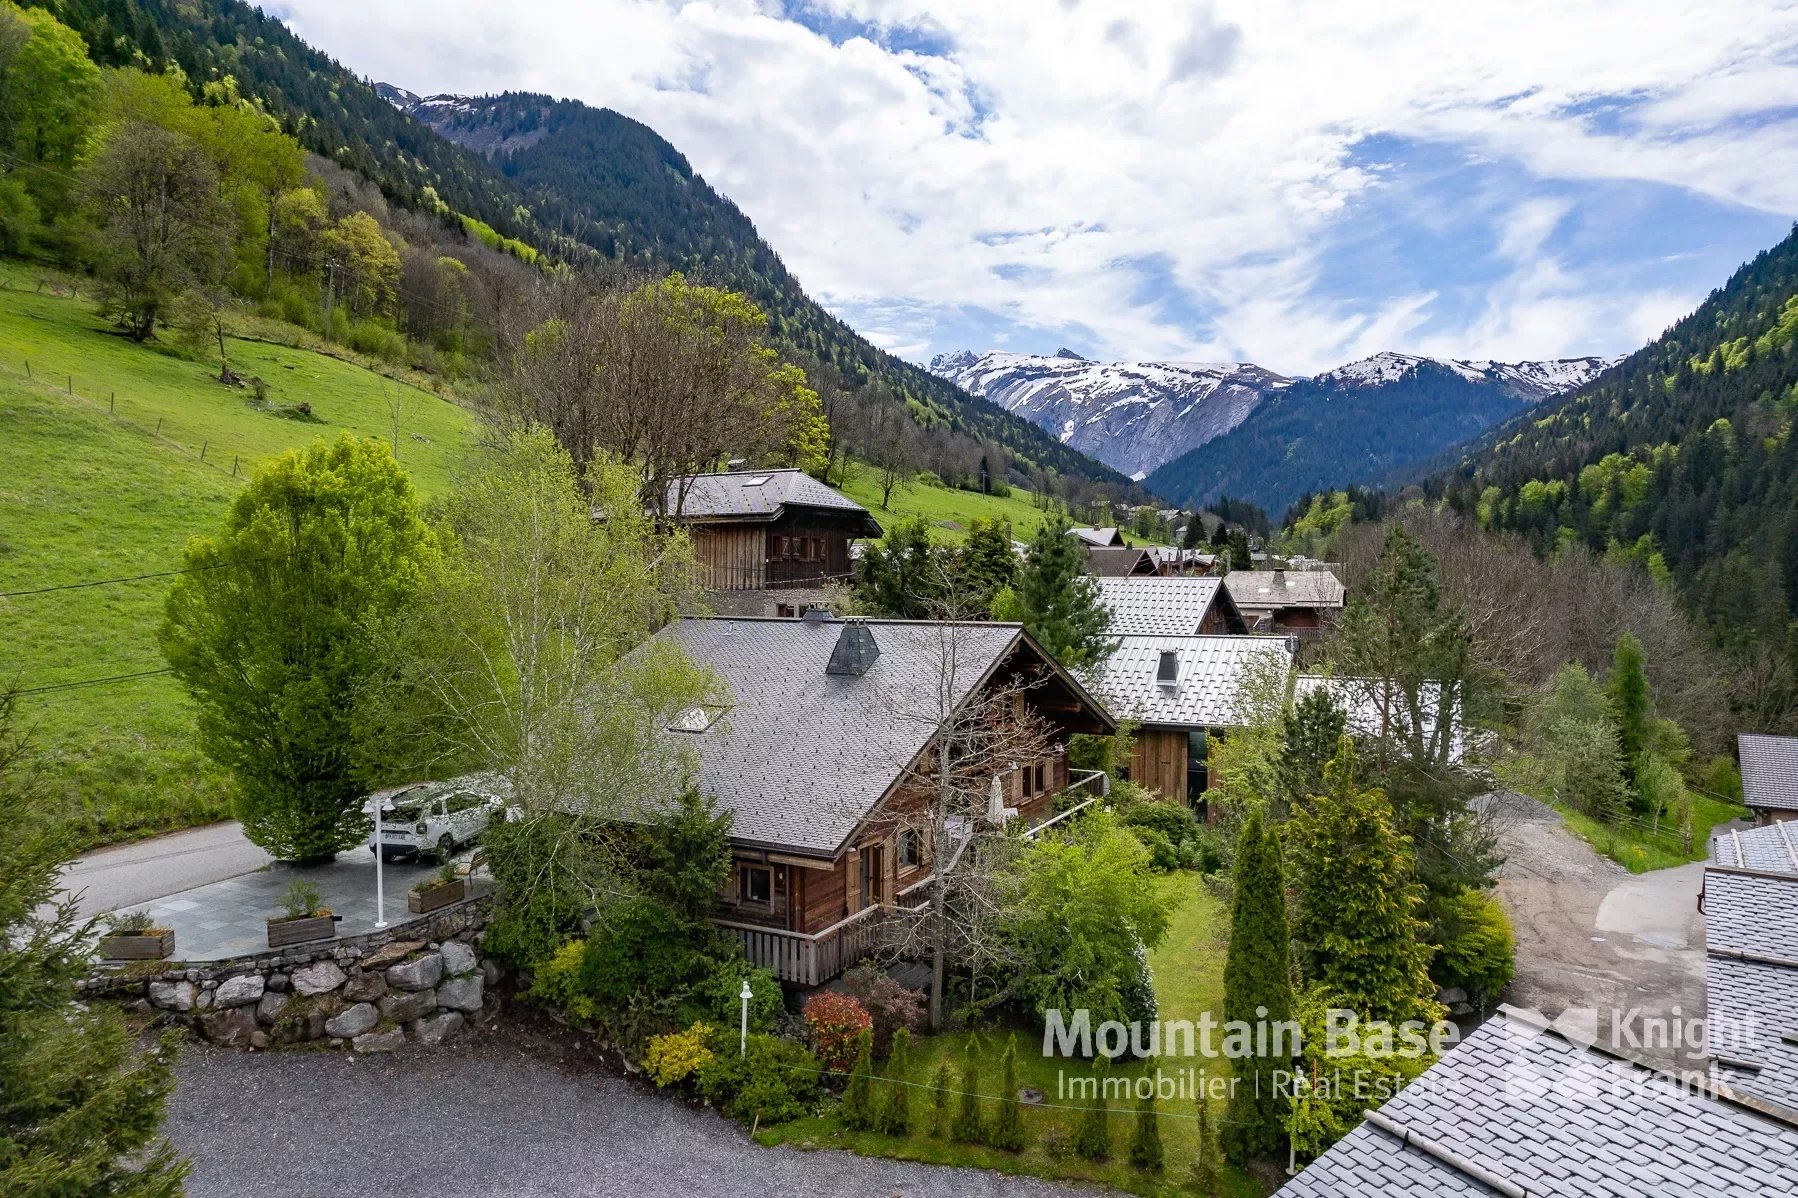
pixel 1101 537
pixel 1750 913
pixel 1120 563
pixel 1285 588
pixel 737 496
pixel 1360 700
pixel 1529 1109
pixel 1772 849
pixel 1157 606
pixel 1769 771
pixel 801 755
pixel 1212 669
pixel 1752 1007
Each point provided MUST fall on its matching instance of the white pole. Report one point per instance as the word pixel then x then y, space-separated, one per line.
pixel 380 861
pixel 743 1038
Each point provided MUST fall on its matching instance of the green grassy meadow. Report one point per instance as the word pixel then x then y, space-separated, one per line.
pixel 1189 980
pixel 1638 850
pixel 948 511
pixel 90 489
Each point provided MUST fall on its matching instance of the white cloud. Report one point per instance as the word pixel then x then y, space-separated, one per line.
pixel 1037 163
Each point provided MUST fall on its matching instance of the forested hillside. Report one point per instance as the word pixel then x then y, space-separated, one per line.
pixel 601 189
pixel 1682 456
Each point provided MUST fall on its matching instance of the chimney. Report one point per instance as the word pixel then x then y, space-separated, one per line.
pixel 855 651
pixel 1279 578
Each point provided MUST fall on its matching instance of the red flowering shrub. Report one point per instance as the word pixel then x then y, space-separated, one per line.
pixel 835 1021
pixel 889 1004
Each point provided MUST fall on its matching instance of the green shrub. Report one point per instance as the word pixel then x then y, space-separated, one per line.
pixel 939 1122
pixel 1475 948
pixel 642 951
pixel 718 997
pixel 1145 1146
pixel 1092 1141
pixel 375 340
pixel 676 1056
pixel 1007 1130
pixel 556 982
pixel 895 1112
pixel 836 1022
pixel 968 1127
pixel 776 1079
pixel 858 1099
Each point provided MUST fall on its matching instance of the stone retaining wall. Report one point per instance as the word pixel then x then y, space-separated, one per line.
pixel 423 981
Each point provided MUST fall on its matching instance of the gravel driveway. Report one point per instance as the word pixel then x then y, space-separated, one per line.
pixel 1590 934
pixel 487 1117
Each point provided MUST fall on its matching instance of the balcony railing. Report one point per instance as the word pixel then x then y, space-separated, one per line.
pixel 812 958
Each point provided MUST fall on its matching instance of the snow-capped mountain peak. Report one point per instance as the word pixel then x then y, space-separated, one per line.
pixel 1527 380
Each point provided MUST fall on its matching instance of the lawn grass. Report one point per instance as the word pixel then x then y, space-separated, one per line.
pixel 1188 969
pixel 89 490
pixel 1638 850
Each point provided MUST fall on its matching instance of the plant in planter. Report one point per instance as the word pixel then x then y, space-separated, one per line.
pixel 130 936
pixel 303 917
pixel 442 888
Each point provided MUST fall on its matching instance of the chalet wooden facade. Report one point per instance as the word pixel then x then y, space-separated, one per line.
pixel 820 753
pixel 762 531
pixel 1286 602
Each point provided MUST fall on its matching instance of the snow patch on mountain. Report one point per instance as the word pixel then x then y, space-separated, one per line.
pixel 1527 380
pixel 1132 416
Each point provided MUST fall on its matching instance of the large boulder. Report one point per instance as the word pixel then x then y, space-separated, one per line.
pixel 364 987
pixel 230 1026
pixel 420 973
pixel 240 991
pixel 385 1041
pixel 435 1029
pixel 273 1002
pixel 403 1006
pixel 391 954
pixel 458 958
pixel 461 994
pixel 174 996
pixel 317 978
pixel 352 1021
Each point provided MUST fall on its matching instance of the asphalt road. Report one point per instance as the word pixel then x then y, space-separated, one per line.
pixel 487 1117
pixel 132 874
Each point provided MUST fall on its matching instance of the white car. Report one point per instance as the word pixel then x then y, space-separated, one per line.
pixel 433 818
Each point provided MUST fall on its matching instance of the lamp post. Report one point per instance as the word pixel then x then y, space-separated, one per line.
pixel 380 862
pixel 743 1035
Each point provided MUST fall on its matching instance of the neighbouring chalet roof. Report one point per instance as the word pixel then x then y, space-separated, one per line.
pixel 1360 700
pixel 1163 606
pixel 1269 589
pixel 807 746
pixel 1207 674
pixel 1769 771
pixel 1517 1109
pixel 1103 538
pixel 1120 563
pixel 759 496
pixel 1751 983
pixel 1772 849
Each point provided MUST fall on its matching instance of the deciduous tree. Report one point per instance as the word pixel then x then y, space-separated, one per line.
pixel 269 632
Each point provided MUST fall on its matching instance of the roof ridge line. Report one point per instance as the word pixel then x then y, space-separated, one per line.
pixel 1441 1152
pixel 1736 954
pixel 1748 872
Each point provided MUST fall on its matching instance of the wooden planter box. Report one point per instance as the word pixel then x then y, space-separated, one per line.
pixel 283 932
pixel 154 945
pixel 422 902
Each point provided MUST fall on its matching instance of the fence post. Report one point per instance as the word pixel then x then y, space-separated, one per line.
pixel 159 426
pixel 233 465
pixel 27 367
pixel 112 405
pixel 71 384
pixel 203 446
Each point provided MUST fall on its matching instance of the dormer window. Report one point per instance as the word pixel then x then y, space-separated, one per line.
pixel 1167 673
pixel 757 481
pixel 694 719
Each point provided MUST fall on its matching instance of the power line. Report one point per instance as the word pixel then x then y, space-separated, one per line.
pixel 69 686
pixel 106 582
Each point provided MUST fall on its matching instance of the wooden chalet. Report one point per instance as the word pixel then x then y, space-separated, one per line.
pixel 1180 606
pixel 769 542
pixel 1298 603
pixel 823 728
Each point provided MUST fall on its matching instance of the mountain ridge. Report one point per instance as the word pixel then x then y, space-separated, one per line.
pixel 1142 417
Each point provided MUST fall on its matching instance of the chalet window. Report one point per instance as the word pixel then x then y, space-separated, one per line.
pixel 1039 778
pixel 756 884
pixel 1167 673
pixel 911 848
pixel 1026 782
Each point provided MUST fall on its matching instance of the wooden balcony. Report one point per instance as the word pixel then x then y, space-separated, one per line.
pixel 815 958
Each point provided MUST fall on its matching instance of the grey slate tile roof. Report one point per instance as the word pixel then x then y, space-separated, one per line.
pixel 1769 771
pixel 1750 913
pixel 737 495
pixel 800 756
pixel 1773 848
pixel 1262 589
pixel 1157 606
pixel 1212 669
pixel 1557 1121
pixel 1119 563
pixel 1102 537
pixel 1751 1006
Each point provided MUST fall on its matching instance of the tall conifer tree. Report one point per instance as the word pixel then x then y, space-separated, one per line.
pixel 1258 990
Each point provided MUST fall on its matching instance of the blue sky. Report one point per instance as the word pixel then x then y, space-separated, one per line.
pixel 1289 182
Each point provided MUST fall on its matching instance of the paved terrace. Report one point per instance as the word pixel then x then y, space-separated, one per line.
pixel 230 918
